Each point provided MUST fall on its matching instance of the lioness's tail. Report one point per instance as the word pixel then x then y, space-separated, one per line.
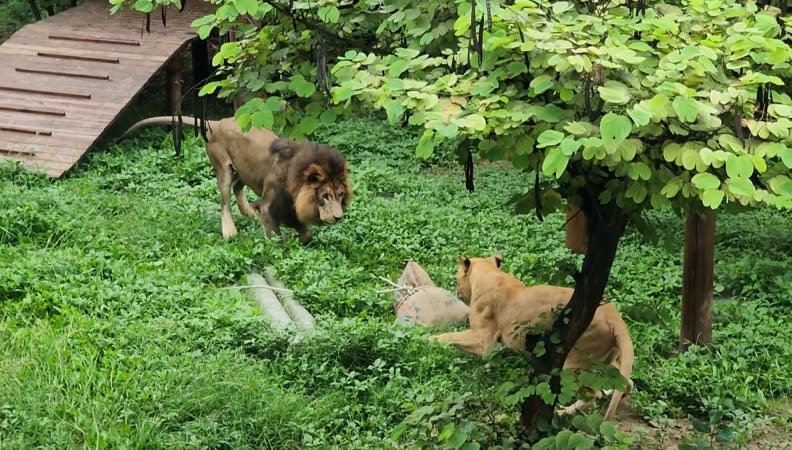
pixel 625 346
pixel 159 120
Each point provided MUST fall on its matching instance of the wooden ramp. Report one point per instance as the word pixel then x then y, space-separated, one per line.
pixel 64 79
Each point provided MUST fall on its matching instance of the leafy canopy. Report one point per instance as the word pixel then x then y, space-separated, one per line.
pixel 679 104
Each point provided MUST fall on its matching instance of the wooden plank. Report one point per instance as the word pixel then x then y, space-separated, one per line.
pixel 84 121
pixel 71 106
pixel 160 46
pixel 61 73
pixel 63 137
pixel 97 89
pixel 32 110
pixel 116 72
pixel 93 40
pixel 52 92
pixel 23 49
pixel 13 128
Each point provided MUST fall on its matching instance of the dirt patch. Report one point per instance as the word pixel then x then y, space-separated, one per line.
pixel 670 433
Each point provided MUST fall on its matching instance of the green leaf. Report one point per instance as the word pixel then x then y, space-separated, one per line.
pixel 447 432
pixel 639 115
pixel 739 166
pixel 541 84
pixel 608 431
pixel 730 142
pixel 637 192
pixel 397 68
pixel 457 439
pixel 549 138
pixel 786 156
pixel 614 128
pixel 671 188
pixel 781 185
pixel 705 181
pixel 329 14
pixel 262 118
pixel 555 162
pixel 209 88
pixel 741 186
pixel 690 158
pixel 780 110
pixel 394 110
pixel 246 6
pixel 308 125
pixel 712 198
pixel 579 442
pixel 685 108
pixel 144 6
pixel 570 145
pixel 343 92
pixel 657 105
pixel 474 122
pixel 425 144
pixel 302 87
pixel 614 92
pixel 449 131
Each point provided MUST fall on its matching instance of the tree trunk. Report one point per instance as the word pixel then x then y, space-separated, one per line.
pixel 604 229
pixel 35 9
pixel 697 280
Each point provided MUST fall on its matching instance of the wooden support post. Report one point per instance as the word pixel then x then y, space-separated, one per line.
pixel 576 238
pixel 697 280
pixel 174 85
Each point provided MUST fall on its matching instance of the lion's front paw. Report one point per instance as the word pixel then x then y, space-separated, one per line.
pixel 229 232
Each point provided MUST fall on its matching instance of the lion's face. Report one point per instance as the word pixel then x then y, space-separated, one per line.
pixel 465 267
pixel 330 202
pixel 322 199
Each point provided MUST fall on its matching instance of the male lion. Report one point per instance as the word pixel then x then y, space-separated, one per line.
pixel 299 184
pixel 503 308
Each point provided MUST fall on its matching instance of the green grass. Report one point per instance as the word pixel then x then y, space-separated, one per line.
pixel 118 329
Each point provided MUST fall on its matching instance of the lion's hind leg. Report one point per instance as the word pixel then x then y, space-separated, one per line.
pixel 223 172
pixel 477 341
pixel 242 202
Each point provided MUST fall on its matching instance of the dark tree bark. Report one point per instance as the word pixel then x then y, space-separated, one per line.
pixel 605 226
pixel 35 9
pixel 697 280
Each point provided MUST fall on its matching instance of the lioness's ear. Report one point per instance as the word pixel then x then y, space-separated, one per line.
pixel 464 261
pixel 498 259
pixel 314 174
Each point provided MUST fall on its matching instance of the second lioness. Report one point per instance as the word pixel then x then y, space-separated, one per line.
pixel 299 183
pixel 503 308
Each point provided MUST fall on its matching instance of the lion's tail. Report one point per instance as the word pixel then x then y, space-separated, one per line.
pixel 158 120
pixel 625 346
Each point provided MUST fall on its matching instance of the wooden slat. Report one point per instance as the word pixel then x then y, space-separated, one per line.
pixel 25 130
pixel 33 110
pixel 60 73
pixel 81 95
pixel 65 55
pixel 94 40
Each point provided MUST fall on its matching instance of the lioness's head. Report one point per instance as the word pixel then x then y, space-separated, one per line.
pixel 319 184
pixel 466 265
